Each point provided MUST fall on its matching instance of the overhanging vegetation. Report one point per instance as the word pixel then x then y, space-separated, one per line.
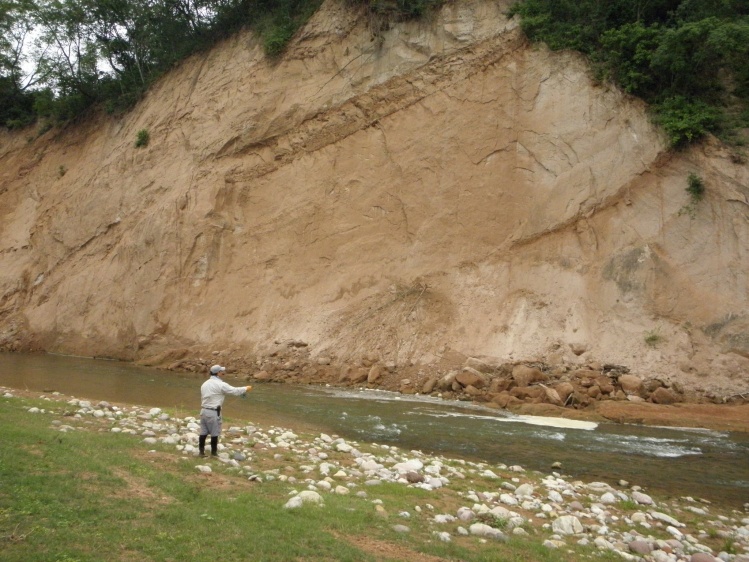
pixel 689 59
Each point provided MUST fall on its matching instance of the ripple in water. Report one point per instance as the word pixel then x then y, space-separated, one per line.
pixel 648 446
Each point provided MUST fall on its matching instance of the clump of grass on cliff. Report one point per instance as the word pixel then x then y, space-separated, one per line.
pixel 696 190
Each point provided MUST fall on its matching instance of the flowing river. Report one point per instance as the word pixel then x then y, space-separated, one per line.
pixel 713 465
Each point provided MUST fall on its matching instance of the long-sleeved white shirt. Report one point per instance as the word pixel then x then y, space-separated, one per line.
pixel 213 391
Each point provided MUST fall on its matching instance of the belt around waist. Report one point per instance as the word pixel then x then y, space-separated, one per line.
pixel 214 409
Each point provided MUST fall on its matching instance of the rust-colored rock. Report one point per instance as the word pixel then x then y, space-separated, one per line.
pixel 262 376
pixel 630 384
pixel 498 384
pixel 663 395
pixel 527 392
pixel 471 377
pixel 564 389
pixel 524 375
pixel 374 374
pixel 429 385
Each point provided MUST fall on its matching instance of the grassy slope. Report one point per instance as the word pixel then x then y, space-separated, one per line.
pixel 91 494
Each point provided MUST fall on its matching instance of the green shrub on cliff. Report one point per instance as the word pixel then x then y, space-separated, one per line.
pixel 142 138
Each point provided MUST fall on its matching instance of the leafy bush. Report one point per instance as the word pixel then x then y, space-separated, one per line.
pixel 689 58
pixel 685 121
pixel 695 187
pixel 627 53
pixel 142 138
pixel 696 190
pixel 277 38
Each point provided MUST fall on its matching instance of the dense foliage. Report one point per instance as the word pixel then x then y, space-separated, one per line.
pixel 688 58
pixel 58 58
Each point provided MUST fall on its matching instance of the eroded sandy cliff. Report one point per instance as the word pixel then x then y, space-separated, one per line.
pixel 441 192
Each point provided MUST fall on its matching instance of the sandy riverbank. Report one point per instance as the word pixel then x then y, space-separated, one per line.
pixel 720 417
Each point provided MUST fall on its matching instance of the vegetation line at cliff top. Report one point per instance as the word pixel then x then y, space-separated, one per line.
pixel 61 58
pixel 689 59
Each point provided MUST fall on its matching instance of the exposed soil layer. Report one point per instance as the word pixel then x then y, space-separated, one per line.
pixel 443 205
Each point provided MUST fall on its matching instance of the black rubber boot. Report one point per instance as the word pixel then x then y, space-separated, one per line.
pixel 214 446
pixel 201 445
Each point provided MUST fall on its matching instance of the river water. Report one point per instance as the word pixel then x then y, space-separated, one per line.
pixel 713 465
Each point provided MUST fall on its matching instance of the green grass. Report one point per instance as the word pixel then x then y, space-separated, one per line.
pixel 695 187
pixel 653 338
pixel 92 495
pixel 142 138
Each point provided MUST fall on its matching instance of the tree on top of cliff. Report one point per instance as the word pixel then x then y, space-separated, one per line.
pixel 106 53
pixel 688 58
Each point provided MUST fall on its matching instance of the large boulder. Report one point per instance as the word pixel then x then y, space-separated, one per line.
pixel 564 389
pixel 499 384
pixel 552 396
pixel 664 396
pixel 429 385
pixel 479 365
pixel 523 375
pixel 567 525
pixel 630 384
pixel 375 373
pixel 446 382
pixel 471 377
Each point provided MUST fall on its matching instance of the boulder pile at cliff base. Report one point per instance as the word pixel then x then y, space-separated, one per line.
pixel 491 382
pixel 501 501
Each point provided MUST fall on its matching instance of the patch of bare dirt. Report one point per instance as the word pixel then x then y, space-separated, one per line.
pixel 388 551
pixel 214 480
pixel 719 417
pixel 723 417
pixel 138 488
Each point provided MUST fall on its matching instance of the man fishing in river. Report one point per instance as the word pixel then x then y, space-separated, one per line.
pixel 212 393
